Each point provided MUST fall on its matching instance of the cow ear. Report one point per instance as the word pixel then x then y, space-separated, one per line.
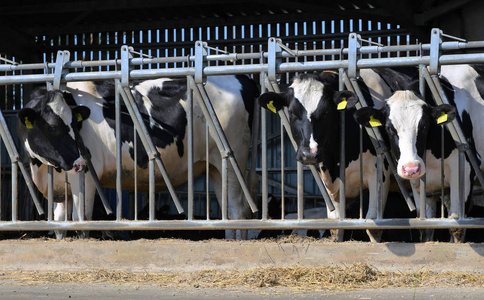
pixel 444 114
pixel 81 113
pixel 27 117
pixel 369 117
pixel 273 101
pixel 345 100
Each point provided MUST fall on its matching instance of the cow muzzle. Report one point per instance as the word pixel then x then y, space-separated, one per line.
pixel 307 156
pixel 411 170
pixel 79 166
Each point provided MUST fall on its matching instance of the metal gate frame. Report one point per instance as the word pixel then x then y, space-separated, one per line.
pixel 270 64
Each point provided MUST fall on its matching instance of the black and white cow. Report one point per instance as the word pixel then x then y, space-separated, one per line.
pixel 313 101
pixel 46 123
pixel 414 127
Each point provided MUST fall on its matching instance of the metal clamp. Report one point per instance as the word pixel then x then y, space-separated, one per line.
pixel 200 60
pixel 62 58
pixel 353 50
pixel 125 62
pixel 435 42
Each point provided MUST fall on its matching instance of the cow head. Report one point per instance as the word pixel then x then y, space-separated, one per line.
pixel 312 101
pixel 46 126
pixel 407 119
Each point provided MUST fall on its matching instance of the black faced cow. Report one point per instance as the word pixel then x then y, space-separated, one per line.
pixel 47 121
pixel 312 101
pixel 414 127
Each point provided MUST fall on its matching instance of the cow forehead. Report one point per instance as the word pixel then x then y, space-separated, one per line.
pixel 308 92
pixel 60 108
pixel 406 110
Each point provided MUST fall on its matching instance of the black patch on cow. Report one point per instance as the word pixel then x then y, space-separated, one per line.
pixel 168 120
pixel 249 93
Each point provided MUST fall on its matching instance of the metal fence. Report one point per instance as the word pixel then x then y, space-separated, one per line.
pixel 279 59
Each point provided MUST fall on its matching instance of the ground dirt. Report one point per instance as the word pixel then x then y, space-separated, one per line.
pixel 287 268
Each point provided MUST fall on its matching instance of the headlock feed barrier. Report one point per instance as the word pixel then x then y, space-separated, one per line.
pixel 267 67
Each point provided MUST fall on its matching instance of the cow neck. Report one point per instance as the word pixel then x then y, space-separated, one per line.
pixel 80 144
pixel 331 154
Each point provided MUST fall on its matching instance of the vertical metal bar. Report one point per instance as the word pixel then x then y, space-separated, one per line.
pixel 119 156
pixel 50 192
pixel 423 179
pixel 81 210
pixel 66 196
pixel 442 174
pixel 151 196
pixel 300 191
pixel 190 180
pixel 462 198
pixel 264 164
pixel 342 166
pixel 207 169
pixel 224 189
pixel 379 176
pixel 283 175
pixel 14 192
pixel 135 169
pixel 361 173
pixel 263 138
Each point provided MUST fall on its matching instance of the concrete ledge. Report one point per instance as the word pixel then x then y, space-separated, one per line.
pixel 179 255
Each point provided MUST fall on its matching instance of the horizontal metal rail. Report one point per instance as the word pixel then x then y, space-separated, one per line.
pixel 413 223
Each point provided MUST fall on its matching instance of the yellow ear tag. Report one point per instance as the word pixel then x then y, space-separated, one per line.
pixel 28 124
pixel 342 104
pixel 79 117
pixel 271 107
pixel 442 118
pixel 374 122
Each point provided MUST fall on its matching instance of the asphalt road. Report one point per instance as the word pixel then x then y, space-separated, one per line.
pixel 103 291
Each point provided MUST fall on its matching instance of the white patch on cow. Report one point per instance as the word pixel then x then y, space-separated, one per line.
pixel 312 143
pixel 308 92
pixel 405 114
pixel 33 154
pixel 144 88
pixel 60 108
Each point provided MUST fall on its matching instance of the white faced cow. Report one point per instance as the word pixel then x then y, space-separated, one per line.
pixel 46 133
pixel 414 127
pixel 312 101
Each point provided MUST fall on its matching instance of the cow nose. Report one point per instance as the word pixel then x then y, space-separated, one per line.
pixel 412 170
pixel 307 157
pixel 79 166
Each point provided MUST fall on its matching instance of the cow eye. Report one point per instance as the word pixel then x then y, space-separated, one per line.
pixel 292 115
pixel 391 131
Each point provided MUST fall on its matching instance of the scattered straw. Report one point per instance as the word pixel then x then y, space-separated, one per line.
pixel 304 278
